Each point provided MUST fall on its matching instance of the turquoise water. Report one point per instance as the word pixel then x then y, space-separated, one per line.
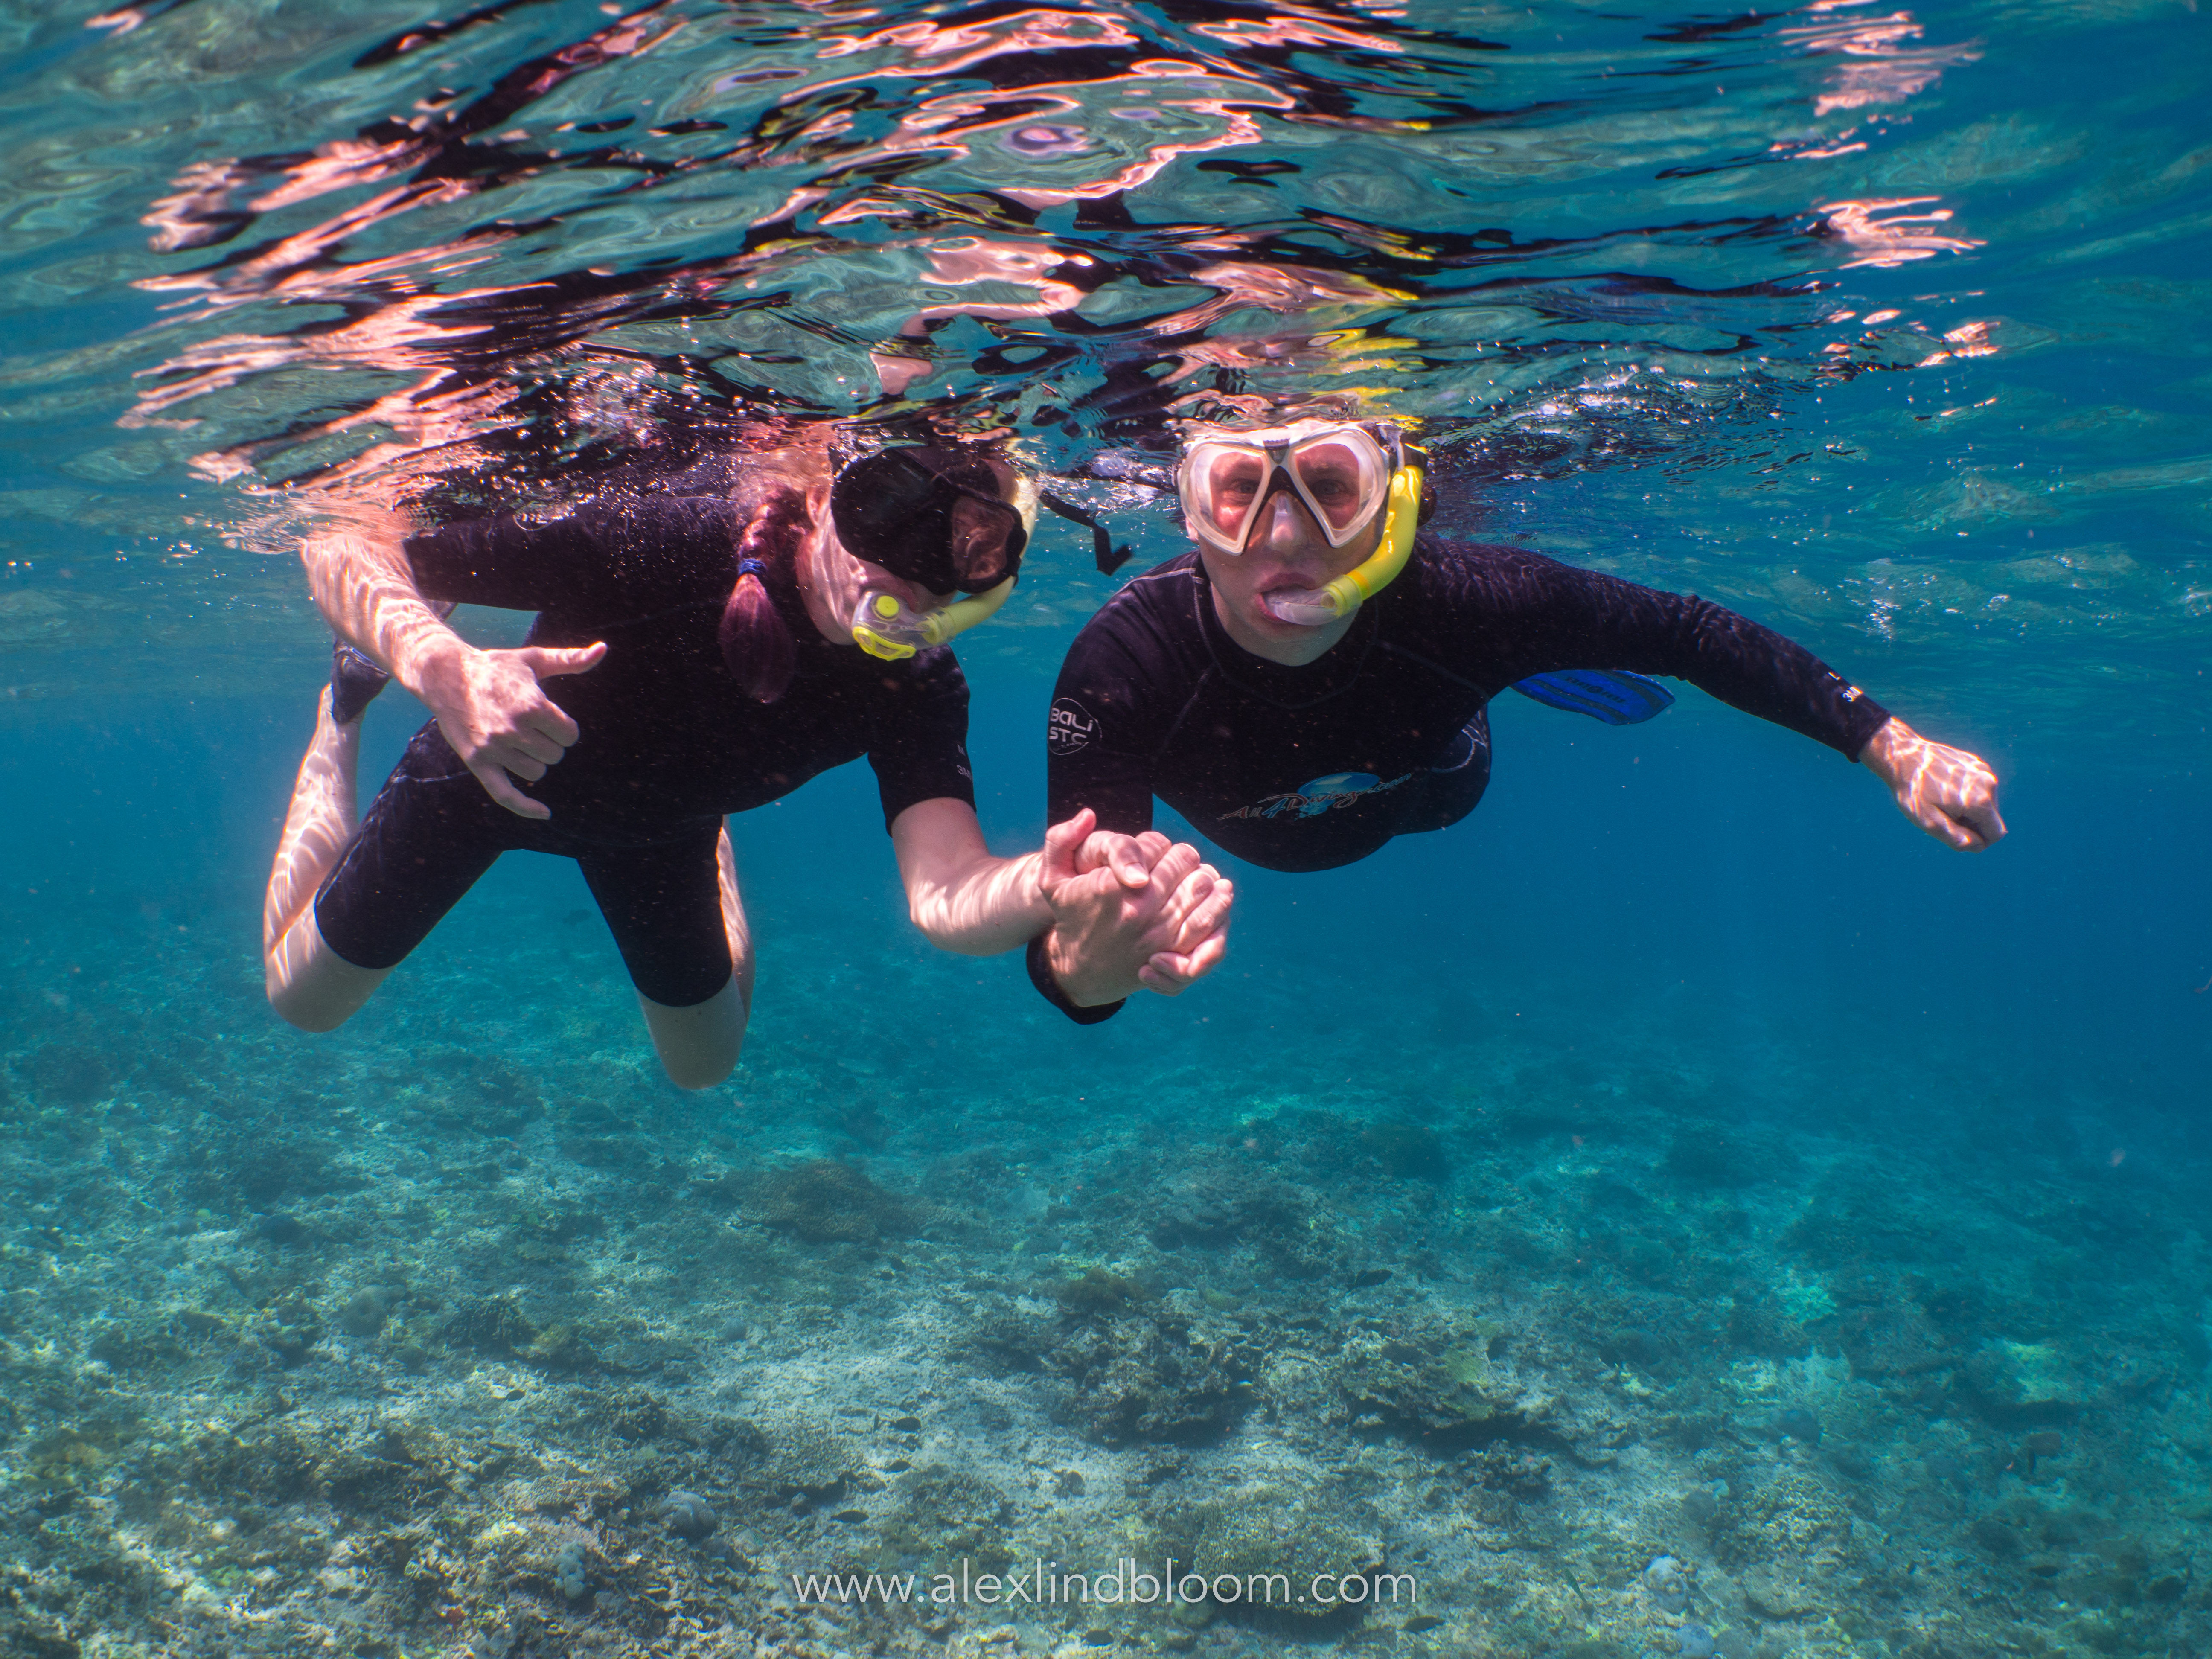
pixel 1489 1213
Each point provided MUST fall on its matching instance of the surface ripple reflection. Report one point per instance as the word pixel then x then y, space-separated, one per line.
pixel 275 250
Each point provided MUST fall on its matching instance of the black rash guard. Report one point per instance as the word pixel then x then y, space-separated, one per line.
pixel 669 744
pixel 1313 767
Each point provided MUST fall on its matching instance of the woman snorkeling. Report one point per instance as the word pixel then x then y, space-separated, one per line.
pixel 1312 678
pixel 701 647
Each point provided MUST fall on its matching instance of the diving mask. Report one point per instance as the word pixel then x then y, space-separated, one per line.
pixel 935 516
pixel 1344 472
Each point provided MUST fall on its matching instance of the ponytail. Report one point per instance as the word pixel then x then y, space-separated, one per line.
pixel 756 646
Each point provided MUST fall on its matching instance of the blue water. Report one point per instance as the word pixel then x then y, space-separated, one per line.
pixel 1695 1022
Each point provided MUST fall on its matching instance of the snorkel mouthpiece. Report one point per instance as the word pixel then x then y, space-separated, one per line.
pixel 1317 607
pixel 885 626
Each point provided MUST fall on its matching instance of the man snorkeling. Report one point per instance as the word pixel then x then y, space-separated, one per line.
pixel 1312 678
pixel 701 647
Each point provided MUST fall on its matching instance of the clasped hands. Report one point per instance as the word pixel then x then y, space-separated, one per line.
pixel 1129 912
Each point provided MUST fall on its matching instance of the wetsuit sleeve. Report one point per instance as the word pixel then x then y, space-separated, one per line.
pixel 1098 741
pixel 501 562
pixel 1098 754
pixel 919 751
pixel 1549 615
pixel 652 550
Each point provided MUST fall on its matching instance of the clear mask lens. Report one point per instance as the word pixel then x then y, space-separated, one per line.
pixel 1339 473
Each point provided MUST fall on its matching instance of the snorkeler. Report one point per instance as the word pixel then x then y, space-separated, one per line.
pixel 1312 680
pixel 697 652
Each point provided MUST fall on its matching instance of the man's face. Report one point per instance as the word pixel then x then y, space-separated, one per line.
pixel 1287 552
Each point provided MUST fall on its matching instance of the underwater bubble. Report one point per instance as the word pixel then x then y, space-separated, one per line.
pixel 1045 138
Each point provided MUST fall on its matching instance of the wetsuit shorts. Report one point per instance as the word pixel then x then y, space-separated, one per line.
pixel 426 839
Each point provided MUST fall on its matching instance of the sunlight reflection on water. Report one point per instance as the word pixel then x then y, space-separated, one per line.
pixel 509 246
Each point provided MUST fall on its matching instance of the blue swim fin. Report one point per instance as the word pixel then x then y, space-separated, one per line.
pixel 1611 695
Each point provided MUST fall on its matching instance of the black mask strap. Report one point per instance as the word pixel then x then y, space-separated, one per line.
pixel 1109 558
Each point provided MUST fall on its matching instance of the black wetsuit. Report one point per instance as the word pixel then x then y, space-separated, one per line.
pixel 1313 767
pixel 669 742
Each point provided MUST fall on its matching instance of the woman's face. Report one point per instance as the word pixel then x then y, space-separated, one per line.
pixel 834 578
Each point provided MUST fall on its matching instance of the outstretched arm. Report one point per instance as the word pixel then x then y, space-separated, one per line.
pixel 487 703
pixel 1553 617
pixel 1120 912
pixel 962 897
pixel 1951 794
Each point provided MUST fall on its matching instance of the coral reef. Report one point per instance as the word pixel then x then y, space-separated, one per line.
pixel 1286 1557
pixel 435 1355
pixel 825 1202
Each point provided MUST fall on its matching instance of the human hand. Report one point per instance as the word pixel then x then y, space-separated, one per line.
pixel 493 711
pixel 1951 794
pixel 1131 858
pixel 1129 912
pixel 1204 900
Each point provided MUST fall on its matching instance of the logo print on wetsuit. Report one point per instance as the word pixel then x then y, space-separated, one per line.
pixel 1069 727
pixel 1310 801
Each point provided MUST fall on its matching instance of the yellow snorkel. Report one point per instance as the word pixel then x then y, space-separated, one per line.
pixel 1317 606
pixel 885 627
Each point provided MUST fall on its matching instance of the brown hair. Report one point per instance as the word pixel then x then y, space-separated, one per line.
pixel 757 644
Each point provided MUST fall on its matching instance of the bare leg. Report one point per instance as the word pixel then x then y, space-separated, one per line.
pixel 699 1046
pixel 734 925
pixel 310 984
